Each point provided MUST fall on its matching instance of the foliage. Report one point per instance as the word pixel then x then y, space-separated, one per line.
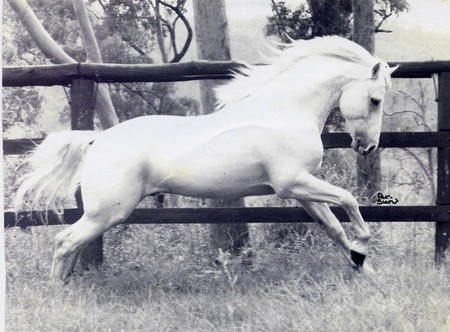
pixel 384 9
pixel 20 107
pixel 322 18
pixel 295 23
pixel 154 99
pixel 158 19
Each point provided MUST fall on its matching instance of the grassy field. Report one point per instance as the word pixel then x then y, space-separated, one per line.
pixel 163 278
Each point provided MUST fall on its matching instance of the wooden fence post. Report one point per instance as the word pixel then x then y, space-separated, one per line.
pixel 443 177
pixel 82 103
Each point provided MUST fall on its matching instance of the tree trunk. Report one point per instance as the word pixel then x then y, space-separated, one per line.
pixel 364 24
pixel 213 43
pixel 368 170
pixel 105 108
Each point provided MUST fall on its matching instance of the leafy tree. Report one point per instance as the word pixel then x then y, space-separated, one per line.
pixel 158 19
pixel 126 33
pixel 19 106
pixel 129 32
pixel 319 18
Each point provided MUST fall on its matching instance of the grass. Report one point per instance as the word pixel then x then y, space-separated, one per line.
pixel 162 278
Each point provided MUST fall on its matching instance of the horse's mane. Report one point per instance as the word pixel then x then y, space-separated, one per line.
pixel 249 78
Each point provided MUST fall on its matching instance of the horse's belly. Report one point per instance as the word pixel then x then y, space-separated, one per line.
pixel 228 165
pixel 214 178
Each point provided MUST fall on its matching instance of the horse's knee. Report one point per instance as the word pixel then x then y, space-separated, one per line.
pixel 348 202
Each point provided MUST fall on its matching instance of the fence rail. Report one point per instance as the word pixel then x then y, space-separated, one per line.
pixel 48 75
pixel 330 141
pixel 238 215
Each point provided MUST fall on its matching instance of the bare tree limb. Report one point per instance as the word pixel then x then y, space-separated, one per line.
pixel 425 170
pixel 178 10
pixel 159 31
pixel 44 41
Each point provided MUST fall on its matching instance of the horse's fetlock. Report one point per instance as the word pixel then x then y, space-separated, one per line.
pixel 365 237
pixel 59 239
pixel 364 234
pixel 340 234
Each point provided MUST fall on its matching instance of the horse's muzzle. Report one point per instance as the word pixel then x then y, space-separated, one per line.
pixel 370 149
pixel 363 150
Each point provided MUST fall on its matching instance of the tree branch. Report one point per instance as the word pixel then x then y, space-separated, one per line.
pixel 42 38
pixel 424 169
pixel 159 32
pixel 178 10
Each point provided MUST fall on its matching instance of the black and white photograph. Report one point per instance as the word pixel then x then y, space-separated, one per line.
pixel 225 165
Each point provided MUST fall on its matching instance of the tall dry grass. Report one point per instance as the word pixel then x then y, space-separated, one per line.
pixel 164 279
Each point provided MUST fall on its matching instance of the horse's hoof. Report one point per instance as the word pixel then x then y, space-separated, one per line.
pixel 364 269
pixel 357 258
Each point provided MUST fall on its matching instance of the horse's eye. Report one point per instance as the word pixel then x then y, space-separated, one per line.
pixel 375 101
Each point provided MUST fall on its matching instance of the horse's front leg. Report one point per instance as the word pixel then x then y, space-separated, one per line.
pixel 307 188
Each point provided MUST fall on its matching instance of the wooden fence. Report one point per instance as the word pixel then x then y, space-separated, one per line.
pixel 77 74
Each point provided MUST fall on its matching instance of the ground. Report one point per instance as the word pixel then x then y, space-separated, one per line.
pixel 163 278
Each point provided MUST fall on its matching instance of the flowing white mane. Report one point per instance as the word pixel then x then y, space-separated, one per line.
pixel 250 78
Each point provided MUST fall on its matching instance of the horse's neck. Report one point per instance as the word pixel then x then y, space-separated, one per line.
pixel 310 97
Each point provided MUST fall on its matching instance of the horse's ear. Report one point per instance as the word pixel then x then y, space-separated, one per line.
pixel 392 69
pixel 376 70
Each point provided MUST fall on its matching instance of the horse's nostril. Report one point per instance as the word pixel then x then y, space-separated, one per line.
pixel 369 150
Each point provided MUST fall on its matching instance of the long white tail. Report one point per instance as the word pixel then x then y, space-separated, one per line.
pixel 55 174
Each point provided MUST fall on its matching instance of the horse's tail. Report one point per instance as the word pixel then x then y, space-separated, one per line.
pixel 55 174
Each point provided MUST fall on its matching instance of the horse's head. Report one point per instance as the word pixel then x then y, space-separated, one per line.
pixel 361 104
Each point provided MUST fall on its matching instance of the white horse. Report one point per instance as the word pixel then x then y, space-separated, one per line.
pixel 264 139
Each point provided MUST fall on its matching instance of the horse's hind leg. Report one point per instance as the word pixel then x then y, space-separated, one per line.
pixel 70 241
pixel 71 262
pixel 106 212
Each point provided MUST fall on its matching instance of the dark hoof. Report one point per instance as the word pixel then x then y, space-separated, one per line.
pixel 357 258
